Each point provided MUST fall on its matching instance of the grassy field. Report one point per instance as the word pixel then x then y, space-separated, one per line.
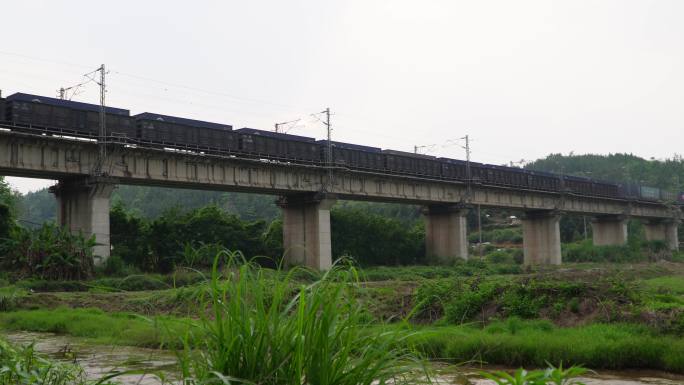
pixel 602 316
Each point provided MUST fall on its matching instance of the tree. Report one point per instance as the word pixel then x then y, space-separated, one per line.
pixel 8 207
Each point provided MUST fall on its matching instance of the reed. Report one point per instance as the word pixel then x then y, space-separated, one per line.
pixel 276 331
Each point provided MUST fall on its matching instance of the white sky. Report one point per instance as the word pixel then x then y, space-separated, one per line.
pixel 522 78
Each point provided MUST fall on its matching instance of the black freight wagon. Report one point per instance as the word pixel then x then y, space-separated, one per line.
pixel 175 131
pixel 66 116
pixel 605 189
pixel 410 163
pixel 504 176
pixel 278 146
pixel 540 180
pixel 577 185
pixel 352 156
pixel 453 169
pixel 3 115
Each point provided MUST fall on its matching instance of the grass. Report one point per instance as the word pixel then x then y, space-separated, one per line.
pixel 259 332
pixel 97 326
pixel 514 342
pixel 310 318
pixel 519 343
pixel 10 297
pixel 459 269
pixel 672 284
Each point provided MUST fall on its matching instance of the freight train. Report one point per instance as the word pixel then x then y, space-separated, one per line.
pixel 26 112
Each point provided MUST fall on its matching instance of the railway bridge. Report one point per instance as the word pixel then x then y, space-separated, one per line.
pixel 307 192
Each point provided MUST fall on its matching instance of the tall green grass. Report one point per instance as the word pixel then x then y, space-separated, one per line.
pixel 267 331
pixel 98 326
pixel 519 343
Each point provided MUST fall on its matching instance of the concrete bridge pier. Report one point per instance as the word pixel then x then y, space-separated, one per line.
pixel 541 237
pixel 83 206
pixel 306 230
pixel 663 230
pixel 446 237
pixel 609 230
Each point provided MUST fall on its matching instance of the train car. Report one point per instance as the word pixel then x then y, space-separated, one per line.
pixel 454 169
pixel 172 130
pixel 410 163
pixel 504 176
pixel 541 180
pixel 353 155
pixel 3 115
pixel 66 116
pixel 680 198
pixel 649 193
pixel 606 189
pixel 278 146
pixel 478 172
pixel 628 190
pixel 577 185
pixel 668 196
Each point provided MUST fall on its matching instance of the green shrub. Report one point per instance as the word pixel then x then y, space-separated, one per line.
pixel 506 235
pixel 459 300
pixel 50 252
pixel 585 251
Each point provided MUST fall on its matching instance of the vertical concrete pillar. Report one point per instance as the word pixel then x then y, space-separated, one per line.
pixel 306 230
pixel 541 238
pixel 663 230
pixel 446 237
pixel 609 230
pixel 83 206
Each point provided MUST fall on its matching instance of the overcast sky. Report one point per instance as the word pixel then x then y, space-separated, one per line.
pixel 522 78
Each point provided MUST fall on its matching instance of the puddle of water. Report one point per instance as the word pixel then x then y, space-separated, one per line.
pixel 98 360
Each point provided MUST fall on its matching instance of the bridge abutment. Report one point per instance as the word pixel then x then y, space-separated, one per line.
pixel 541 238
pixel 306 230
pixel 83 207
pixel 609 230
pixel 446 237
pixel 663 230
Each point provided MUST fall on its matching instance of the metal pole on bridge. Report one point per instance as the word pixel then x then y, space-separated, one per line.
pixel 329 159
pixel 103 116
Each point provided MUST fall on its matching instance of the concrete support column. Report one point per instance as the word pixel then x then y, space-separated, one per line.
pixel 83 207
pixel 609 230
pixel 663 230
pixel 541 238
pixel 446 237
pixel 306 230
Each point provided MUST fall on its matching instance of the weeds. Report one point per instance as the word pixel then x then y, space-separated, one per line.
pixel 551 376
pixel 259 331
pixel 50 252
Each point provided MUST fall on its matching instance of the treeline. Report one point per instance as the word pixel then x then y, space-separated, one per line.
pixel 175 237
pixel 666 174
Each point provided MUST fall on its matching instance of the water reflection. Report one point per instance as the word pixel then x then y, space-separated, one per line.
pixel 98 360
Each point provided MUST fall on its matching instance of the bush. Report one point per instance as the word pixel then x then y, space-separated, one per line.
pixel 50 252
pixel 507 235
pixel 179 238
pixel 458 300
pixel 635 251
pixel 372 239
